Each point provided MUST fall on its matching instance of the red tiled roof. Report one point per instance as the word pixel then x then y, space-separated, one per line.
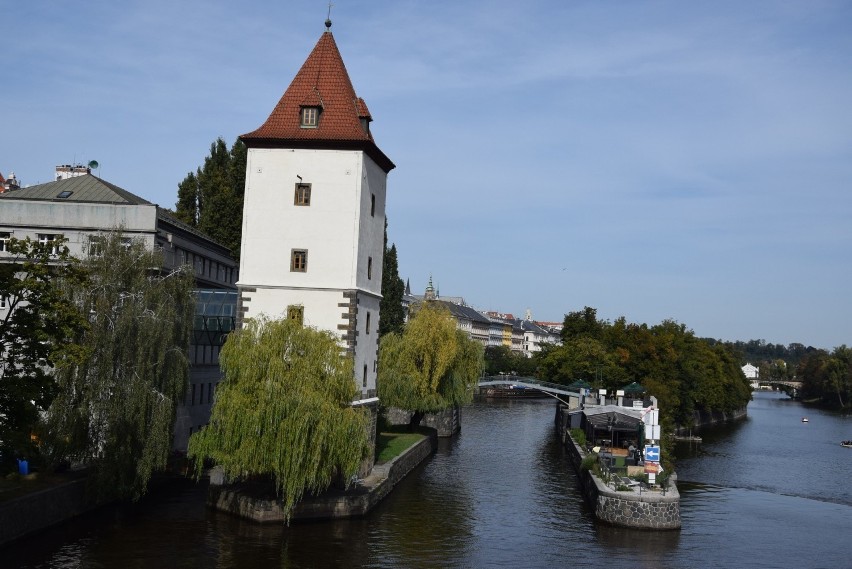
pixel 321 82
pixel 2 179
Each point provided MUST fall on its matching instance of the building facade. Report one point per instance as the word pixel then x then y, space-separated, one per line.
pixel 81 209
pixel 314 212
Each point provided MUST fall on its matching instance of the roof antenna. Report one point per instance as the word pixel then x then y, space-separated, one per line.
pixel 328 19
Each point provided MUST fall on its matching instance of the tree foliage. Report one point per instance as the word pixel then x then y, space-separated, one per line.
pixel 431 366
pixel 37 331
pixel 284 410
pixel 393 289
pixel 501 359
pixel 211 199
pixel 115 408
pixel 827 377
pixel 685 373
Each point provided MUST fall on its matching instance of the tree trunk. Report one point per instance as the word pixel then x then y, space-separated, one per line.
pixel 416 417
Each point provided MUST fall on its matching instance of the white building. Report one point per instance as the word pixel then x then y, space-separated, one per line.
pixel 750 371
pixel 81 208
pixel 314 212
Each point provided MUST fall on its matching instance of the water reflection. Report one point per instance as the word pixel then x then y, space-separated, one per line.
pixel 503 494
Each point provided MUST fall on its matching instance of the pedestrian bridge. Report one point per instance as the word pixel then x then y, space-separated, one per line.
pixel 552 389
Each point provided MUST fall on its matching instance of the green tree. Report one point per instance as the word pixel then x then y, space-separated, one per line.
pixel 211 199
pixel 430 367
pixel 284 410
pixel 582 323
pixel 186 208
pixel 393 289
pixel 115 409
pixel 37 331
pixel 827 378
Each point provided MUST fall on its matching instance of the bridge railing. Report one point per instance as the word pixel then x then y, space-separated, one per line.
pixel 514 379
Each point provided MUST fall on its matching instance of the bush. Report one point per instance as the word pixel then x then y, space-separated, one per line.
pixel 579 437
pixel 589 462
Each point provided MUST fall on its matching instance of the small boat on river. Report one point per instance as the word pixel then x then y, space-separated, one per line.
pixel 804 419
pixel 847 444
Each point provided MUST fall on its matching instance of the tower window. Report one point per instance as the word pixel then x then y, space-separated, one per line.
pixel 296 312
pixel 310 117
pixel 365 375
pixel 369 267
pixel 4 239
pixel 368 323
pixel 372 205
pixel 303 194
pixel 299 260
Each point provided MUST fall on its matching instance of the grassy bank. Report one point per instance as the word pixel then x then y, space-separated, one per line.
pixel 391 444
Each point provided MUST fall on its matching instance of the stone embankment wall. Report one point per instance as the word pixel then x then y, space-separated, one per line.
pixel 34 512
pixel 707 418
pixel 648 510
pixel 447 423
pixel 354 502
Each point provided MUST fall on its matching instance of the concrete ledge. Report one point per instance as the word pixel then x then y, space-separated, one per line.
pixel 254 504
pixel 34 512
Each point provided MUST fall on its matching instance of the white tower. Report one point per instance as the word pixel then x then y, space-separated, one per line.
pixel 314 212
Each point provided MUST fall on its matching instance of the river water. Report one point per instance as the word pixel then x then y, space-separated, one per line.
pixel 770 491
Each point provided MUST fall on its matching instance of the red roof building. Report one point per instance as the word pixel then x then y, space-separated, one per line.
pixel 322 94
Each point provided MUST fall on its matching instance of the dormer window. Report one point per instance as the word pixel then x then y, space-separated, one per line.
pixel 64 194
pixel 310 117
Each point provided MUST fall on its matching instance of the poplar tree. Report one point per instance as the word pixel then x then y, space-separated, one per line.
pixel 211 199
pixel 391 310
pixel 430 367
pixel 284 411
pixel 115 409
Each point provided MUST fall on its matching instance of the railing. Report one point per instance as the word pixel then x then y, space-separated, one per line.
pixel 518 379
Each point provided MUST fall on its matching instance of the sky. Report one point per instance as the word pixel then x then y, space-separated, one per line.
pixel 653 160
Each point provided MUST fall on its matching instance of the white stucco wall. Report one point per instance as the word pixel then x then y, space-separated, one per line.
pixel 76 221
pixel 330 228
pixel 338 231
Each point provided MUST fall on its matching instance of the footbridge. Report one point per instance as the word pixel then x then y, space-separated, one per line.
pixel 552 389
pixel 791 388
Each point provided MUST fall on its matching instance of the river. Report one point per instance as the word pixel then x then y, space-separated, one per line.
pixel 769 491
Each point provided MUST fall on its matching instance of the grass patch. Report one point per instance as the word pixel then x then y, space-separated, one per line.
pixel 392 444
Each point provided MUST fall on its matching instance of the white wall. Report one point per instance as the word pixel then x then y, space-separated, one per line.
pixel 338 231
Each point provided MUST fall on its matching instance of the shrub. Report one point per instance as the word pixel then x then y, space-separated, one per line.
pixel 579 437
pixel 589 462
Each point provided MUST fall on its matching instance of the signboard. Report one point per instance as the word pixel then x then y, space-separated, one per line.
pixel 637 403
pixel 652 432
pixel 652 417
pixel 652 467
pixel 652 454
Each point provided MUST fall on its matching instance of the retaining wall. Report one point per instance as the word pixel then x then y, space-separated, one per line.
pixel 447 423
pixel 242 501
pixel 707 418
pixel 648 510
pixel 34 512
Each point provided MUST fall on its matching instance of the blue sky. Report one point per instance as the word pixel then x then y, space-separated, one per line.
pixel 655 160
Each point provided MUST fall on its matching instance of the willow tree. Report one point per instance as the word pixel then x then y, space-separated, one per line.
pixel 115 409
pixel 284 411
pixel 430 367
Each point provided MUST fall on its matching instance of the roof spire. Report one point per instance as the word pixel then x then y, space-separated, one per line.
pixel 328 19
